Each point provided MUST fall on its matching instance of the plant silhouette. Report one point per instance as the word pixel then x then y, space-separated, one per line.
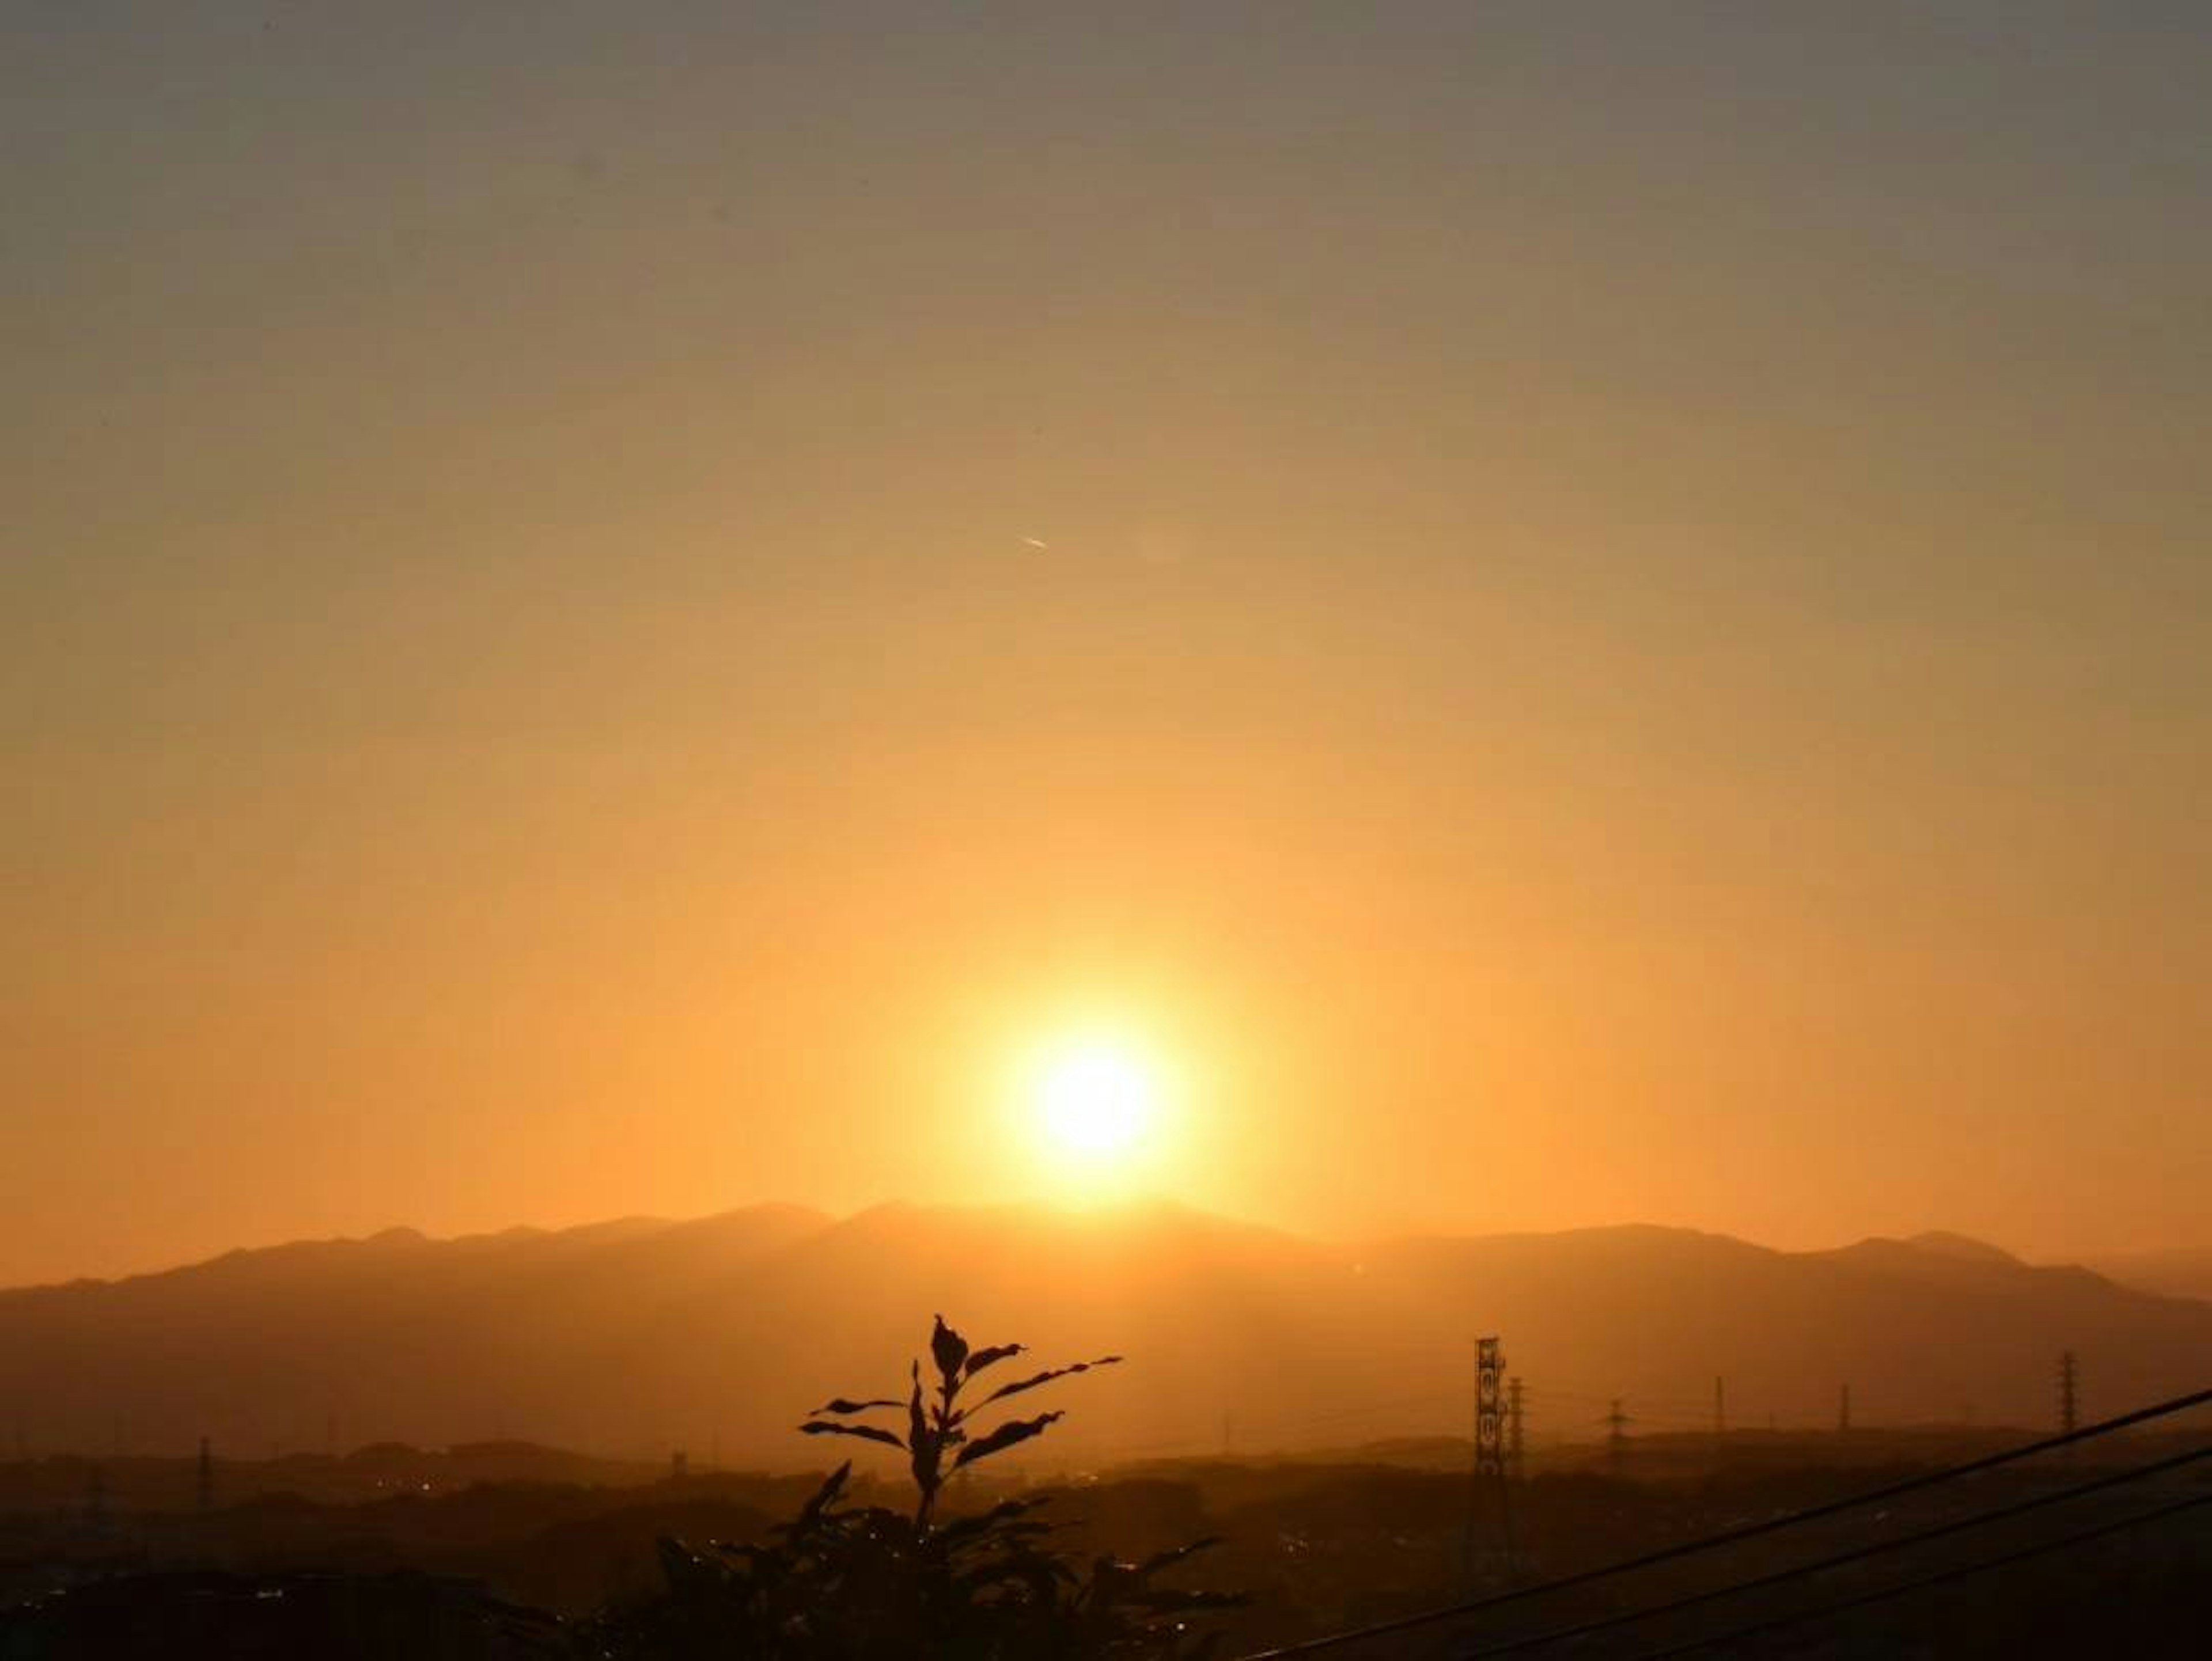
pixel 938 1427
pixel 845 1581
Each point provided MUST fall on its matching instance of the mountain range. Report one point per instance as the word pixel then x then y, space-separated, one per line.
pixel 717 1335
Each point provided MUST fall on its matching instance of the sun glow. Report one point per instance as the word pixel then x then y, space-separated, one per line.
pixel 1095 1105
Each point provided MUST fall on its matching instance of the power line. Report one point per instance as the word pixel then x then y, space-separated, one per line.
pixel 2079 1536
pixel 1856 1554
pixel 1749 1531
pixel 1346 1419
pixel 1701 1411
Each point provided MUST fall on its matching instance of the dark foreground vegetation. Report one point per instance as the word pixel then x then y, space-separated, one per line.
pixel 941 1555
pixel 850 1578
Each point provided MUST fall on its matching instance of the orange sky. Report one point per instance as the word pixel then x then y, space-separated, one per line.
pixel 1582 619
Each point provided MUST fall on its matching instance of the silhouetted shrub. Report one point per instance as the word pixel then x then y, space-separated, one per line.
pixel 841 1581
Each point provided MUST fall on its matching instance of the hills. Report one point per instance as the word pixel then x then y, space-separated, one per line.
pixel 2184 1272
pixel 637 1336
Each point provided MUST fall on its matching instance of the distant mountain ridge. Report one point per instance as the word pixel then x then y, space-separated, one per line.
pixel 1943 1242
pixel 638 1335
pixel 2180 1272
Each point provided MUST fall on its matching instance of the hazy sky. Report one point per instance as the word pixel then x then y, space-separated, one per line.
pixel 1580 612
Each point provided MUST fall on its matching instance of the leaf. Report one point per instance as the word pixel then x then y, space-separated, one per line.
pixel 917 1420
pixel 825 1496
pixel 868 1432
pixel 841 1404
pixel 948 1348
pixel 1160 1559
pixel 925 1445
pixel 992 1356
pixel 1004 1437
pixel 1001 1518
pixel 1045 1378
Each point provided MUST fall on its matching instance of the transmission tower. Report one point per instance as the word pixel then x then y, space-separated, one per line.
pixel 1517 1447
pixel 1488 1475
pixel 2068 1392
pixel 1489 1409
pixel 1616 1422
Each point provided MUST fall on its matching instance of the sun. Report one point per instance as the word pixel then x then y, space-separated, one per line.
pixel 1095 1099
pixel 1095 1103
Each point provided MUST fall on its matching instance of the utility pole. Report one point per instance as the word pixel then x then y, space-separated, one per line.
pixel 2069 1393
pixel 1616 1422
pixel 1516 1449
pixel 1843 1412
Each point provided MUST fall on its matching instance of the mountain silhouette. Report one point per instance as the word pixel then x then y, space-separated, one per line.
pixel 1941 1242
pixel 637 1336
pixel 2178 1272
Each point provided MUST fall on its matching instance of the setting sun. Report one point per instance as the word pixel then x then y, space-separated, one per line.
pixel 1096 1100
pixel 1094 1106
